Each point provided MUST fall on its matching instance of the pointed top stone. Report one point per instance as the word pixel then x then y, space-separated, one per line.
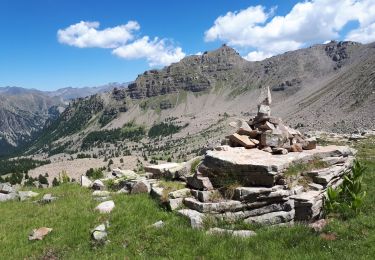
pixel 265 96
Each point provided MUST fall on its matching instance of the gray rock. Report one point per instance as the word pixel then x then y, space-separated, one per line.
pixel 86 182
pixel 24 195
pixel 199 183
pixel 106 206
pixel 252 194
pixel 174 204
pixel 206 196
pixel 141 187
pixel 98 185
pixel 157 192
pixel 7 197
pixel 182 193
pixel 167 170
pixel 47 198
pixel 235 233
pixel 6 188
pixel 196 218
pixel 158 224
pixel 127 174
pixel 272 218
pixel 279 150
pixel 99 233
pixel 240 215
pixel 101 193
pixel 271 139
pixel 210 207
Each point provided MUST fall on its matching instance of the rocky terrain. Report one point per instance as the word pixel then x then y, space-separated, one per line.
pixel 24 112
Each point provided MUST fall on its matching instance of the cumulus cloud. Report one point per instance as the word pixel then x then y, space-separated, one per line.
pixel 87 34
pixel 257 56
pixel 156 51
pixel 123 42
pixel 307 22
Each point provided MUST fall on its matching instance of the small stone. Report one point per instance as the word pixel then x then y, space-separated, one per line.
pixel 199 183
pixel 158 224
pixel 318 225
pixel 196 218
pixel 99 233
pixel 128 174
pixel 40 233
pixel 271 139
pixel 235 233
pixel 309 144
pixel 240 123
pixel 98 185
pixel 24 195
pixel 279 150
pixel 101 193
pixel 264 110
pixel 86 182
pixel 296 148
pixel 250 133
pixel 106 206
pixel 267 126
pixel 141 187
pixel 267 149
pixel 47 198
pixel 174 204
pixel 6 188
pixel 182 193
pixel 6 197
pixel 242 140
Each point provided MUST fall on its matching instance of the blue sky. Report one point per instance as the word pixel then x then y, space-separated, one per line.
pixel 50 44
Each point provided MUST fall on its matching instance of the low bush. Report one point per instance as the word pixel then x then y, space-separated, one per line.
pixel 348 198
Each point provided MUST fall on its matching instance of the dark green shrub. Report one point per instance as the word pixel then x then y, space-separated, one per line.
pixel 95 173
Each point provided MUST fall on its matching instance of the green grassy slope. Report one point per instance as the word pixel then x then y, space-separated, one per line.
pixel 72 216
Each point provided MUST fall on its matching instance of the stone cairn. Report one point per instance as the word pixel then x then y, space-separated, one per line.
pixel 247 177
pixel 268 133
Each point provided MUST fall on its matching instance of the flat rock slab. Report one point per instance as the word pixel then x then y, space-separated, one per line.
pixel 210 207
pixel 235 233
pixel 254 167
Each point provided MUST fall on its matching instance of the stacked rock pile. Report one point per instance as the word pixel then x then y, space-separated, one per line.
pixel 267 132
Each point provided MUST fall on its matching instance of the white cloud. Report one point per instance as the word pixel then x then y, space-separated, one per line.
pixel 307 22
pixel 257 56
pixel 86 34
pixel 157 52
pixel 364 34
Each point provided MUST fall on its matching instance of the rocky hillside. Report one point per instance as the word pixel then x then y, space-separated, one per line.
pixel 24 112
pixel 324 87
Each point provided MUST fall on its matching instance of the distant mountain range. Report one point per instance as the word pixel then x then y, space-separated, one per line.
pixel 24 112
